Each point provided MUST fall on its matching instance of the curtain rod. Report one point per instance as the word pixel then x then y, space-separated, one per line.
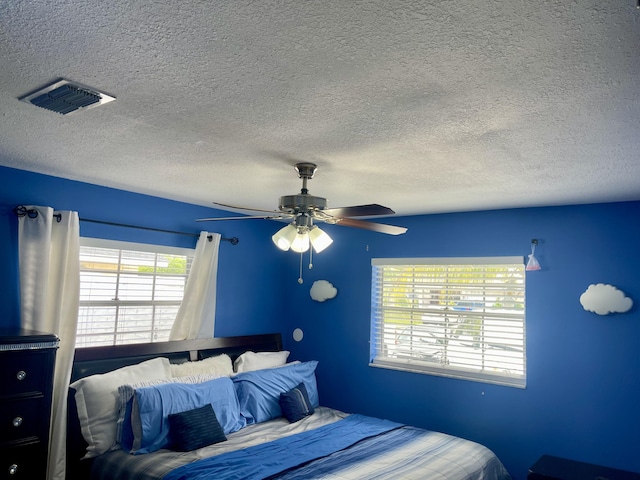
pixel 21 211
pixel 232 240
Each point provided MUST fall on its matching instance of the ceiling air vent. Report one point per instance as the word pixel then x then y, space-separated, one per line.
pixel 67 97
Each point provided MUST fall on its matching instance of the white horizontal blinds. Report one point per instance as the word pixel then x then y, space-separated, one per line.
pixel 461 317
pixel 129 293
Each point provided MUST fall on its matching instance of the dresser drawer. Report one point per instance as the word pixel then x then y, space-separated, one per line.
pixel 26 462
pixel 25 372
pixel 27 360
pixel 22 419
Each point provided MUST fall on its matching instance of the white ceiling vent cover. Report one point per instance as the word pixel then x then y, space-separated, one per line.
pixel 67 97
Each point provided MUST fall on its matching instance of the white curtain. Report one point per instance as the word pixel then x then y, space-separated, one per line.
pixel 197 313
pixel 49 259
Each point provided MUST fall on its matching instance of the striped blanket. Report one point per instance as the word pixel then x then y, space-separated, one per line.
pixel 322 447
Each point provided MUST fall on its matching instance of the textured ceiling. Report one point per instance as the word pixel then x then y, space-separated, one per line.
pixel 422 106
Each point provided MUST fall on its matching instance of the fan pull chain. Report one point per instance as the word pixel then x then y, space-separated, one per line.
pixel 300 281
pixel 310 258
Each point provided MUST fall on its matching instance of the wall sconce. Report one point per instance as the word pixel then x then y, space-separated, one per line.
pixel 533 263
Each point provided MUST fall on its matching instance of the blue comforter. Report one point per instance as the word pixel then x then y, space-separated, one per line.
pixel 402 453
pixel 279 456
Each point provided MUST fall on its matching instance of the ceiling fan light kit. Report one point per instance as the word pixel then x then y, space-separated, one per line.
pixel 299 239
pixel 303 208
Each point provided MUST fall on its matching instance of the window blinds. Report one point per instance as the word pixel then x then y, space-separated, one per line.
pixel 457 317
pixel 129 293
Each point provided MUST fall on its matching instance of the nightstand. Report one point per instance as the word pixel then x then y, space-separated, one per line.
pixel 555 468
pixel 27 359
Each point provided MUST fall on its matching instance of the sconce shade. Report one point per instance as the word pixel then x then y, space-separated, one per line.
pixel 284 237
pixel 533 263
pixel 319 239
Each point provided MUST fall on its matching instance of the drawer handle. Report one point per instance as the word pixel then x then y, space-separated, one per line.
pixel 13 469
pixel 21 375
pixel 17 421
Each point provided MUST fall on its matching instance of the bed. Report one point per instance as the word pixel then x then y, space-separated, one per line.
pixel 261 423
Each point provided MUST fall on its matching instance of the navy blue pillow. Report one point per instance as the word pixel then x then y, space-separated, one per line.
pixel 295 404
pixel 194 429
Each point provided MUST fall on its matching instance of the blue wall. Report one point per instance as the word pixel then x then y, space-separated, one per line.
pixel 249 275
pixel 583 388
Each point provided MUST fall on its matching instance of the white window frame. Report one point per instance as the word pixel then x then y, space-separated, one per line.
pixel 159 297
pixel 428 317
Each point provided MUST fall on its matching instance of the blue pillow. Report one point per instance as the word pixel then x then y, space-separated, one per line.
pixel 259 391
pixel 194 429
pixel 153 405
pixel 295 404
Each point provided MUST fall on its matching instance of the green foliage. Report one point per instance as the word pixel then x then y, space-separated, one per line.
pixel 411 290
pixel 175 265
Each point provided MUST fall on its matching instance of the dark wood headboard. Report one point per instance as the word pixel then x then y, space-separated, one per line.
pixel 95 360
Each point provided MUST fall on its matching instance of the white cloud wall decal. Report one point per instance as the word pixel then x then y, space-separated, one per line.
pixel 322 290
pixel 605 299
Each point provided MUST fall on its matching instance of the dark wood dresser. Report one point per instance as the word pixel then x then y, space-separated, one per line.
pixel 27 359
pixel 549 467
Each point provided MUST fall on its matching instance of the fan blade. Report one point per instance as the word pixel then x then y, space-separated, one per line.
pixel 375 227
pixel 359 211
pixel 235 207
pixel 246 217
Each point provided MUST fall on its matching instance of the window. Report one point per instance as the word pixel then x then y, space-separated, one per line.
pixel 455 317
pixel 129 293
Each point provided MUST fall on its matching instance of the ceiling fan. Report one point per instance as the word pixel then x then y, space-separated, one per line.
pixel 305 209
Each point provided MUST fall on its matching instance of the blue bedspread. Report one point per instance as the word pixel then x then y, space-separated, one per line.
pixel 402 453
pixel 273 458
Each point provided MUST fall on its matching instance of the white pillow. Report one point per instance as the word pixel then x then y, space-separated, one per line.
pixel 250 361
pixel 219 365
pixel 97 398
